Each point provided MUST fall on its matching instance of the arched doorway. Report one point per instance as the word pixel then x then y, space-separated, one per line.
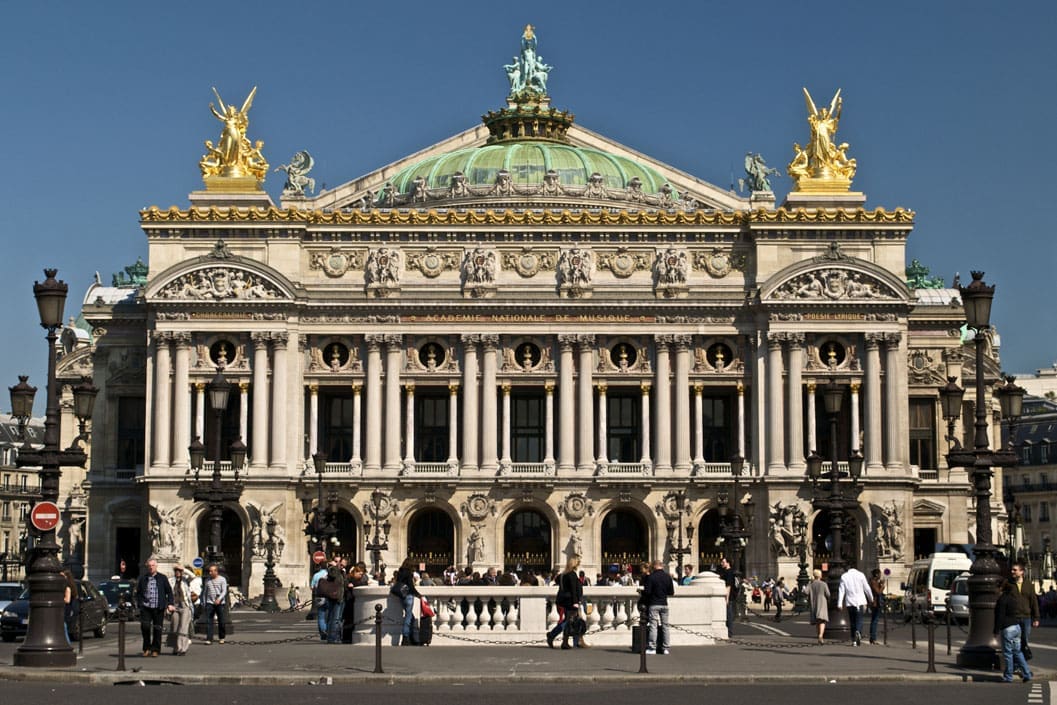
pixel 231 537
pixel 527 542
pixel 625 540
pixel 431 540
pixel 821 545
pixel 346 542
pixel 709 540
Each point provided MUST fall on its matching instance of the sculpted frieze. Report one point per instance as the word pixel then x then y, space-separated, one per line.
pixel 530 261
pixel 832 284
pixel 432 262
pixel 219 283
pixel 624 262
pixel 336 261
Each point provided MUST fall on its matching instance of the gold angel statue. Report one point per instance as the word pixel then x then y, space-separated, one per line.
pixel 823 160
pixel 234 155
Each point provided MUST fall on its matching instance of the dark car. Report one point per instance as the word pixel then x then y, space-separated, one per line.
pixel 14 621
pixel 112 591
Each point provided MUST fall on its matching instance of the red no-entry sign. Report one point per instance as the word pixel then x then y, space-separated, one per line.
pixel 318 556
pixel 45 516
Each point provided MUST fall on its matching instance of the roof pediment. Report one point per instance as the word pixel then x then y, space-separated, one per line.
pixel 833 278
pixel 220 277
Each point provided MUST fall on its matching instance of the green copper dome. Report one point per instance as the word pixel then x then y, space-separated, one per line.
pixel 527 162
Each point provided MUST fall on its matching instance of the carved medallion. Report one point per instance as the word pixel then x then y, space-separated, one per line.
pixel 336 262
pixel 477 507
pixel 381 506
pixel 576 506
pixel 529 262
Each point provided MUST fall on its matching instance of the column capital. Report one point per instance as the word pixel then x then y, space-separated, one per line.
pixel 775 340
pixel 356 389
pixel 409 387
pixel 548 387
pixel 470 340
pixel 855 386
pixel 663 340
pixel 873 340
pixel 260 338
pixel 200 387
pixel 811 386
pixel 490 341
pixel 645 387
pixel 243 387
pixel 698 388
pixel 313 389
pixel 374 341
pixel 602 387
pixel 279 339
pixel 892 339
pixel 741 388
pixel 795 340
pixel 182 339
pixel 585 341
pixel 453 388
pixel 393 341
pixel 162 337
pixel 682 342
pixel 566 341
pixel 505 387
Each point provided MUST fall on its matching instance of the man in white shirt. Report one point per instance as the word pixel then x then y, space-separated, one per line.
pixel 856 595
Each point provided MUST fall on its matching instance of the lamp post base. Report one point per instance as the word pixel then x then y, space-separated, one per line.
pixel 838 628
pixel 980 656
pixel 58 657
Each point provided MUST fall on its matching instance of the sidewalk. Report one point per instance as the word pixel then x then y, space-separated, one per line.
pixel 292 655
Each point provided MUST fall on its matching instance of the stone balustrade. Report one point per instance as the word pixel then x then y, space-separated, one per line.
pixel 514 614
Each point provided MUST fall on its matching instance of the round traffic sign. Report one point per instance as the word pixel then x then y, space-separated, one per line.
pixel 319 557
pixel 45 516
pixel 197 562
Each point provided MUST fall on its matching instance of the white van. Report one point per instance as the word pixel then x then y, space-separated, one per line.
pixel 930 579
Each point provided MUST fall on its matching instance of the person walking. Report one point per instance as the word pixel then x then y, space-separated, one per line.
pixel 293 596
pixel 657 587
pixel 214 602
pixel 877 587
pixel 818 601
pixel 855 594
pixel 155 600
pixel 570 597
pixel 779 595
pixel 1027 605
pixel 1007 627
pixel 404 589
pixel 180 629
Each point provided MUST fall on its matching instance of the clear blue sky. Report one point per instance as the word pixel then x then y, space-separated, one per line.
pixel 949 108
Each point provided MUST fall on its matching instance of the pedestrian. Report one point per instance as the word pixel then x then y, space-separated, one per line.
pixel 855 594
pixel 318 601
pixel 1007 627
pixel 818 600
pixel 214 602
pixel 726 574
pixel 357 578
pixel 568 600
pixel 688 574
pixel 657 587
pixel 332 588
pixel 404 589
pixel 778 598
pixel 877 587
pixel 293 596
pixel 180 629
pixel 1027 605
pixel 71 605
pixel 155 600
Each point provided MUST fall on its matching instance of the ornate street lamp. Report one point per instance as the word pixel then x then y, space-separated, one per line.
pixel 736 520
pixel 676 533
pixel 835 504
pixel 268 602
pixel 45 645
pixel 980 649
pixel 380 540
pixel 22 403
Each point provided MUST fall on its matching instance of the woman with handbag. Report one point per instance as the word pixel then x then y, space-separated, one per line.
pixel 404 589
pixel 570 597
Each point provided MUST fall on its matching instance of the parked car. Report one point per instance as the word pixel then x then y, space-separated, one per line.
pixel 9 592
pixel 112 591
pixel 14 620
pixel 960 597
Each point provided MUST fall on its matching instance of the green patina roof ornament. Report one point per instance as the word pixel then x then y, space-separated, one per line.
pixel 528 73
pixel 133 276
pixel 918 277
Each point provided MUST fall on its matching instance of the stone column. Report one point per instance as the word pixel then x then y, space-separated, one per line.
pixel 279 399
pixel 200 410
pixel 163 398
pixel 470 437
pixel 893 438
pixel 872 444
pixel 586 460
pixel 373 460
pixel 644 387
pixel 313 420
pixel 566 413
pixel 812 429
pixel 393 343
pixel 548 427
pixel 854 416
pixel 699 431
pixel 741 420
pixel 795 415
pixel 603 440
pixel 409 420
pixel 663 396
pixel 357 415
pixel 244 410
pixel 182 401
pixel 682 403
pixel 775 404
pixel 453 424
pixel 489 412
pixel 259 450
pixel 506 460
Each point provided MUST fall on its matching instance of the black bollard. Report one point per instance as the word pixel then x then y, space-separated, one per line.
pixel 884 619
pixel 913 624
pixel 932 646
pixel 948 626
pixel 80 626
pixel 644 626
pixel 378 639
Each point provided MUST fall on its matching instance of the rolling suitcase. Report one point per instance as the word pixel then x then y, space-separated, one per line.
pixel 425 631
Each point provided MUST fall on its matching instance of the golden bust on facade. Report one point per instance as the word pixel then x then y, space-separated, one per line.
pixel 822 165
pixel 234 162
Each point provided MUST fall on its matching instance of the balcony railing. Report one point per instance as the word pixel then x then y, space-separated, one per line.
pixel 624 469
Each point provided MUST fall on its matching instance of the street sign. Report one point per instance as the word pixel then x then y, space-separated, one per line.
pixel 319 556
pixel 45 516
pixel 197 562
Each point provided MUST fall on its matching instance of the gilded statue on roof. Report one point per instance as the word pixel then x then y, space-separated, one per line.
pixel 234 155
pixel 823 164
pixel 528 73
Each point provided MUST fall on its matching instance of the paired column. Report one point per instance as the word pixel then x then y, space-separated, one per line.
pixel 259 449
pixel 854 416
pixel 182 400
pixel 741 419
pixel 200 410
pixel 409 432
pixel 663 395
pixel 357 415
pixel 893 437
pixel 313 421
pixel 548 428
pixel 585 344
pixel 470 434
pixel 453 424
pixel 244 410
pixel 373 461
pixel 682 403
pixel 393 353
pixel 872 373
pixel 505 461
pixel 162 398
pixel 775 404
pixel 795 415
pixel 566 414
pixel 644 387
pixel 699 431
pixel 812 428
pixel 489 413
pixel 279 399
pixel 602 459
